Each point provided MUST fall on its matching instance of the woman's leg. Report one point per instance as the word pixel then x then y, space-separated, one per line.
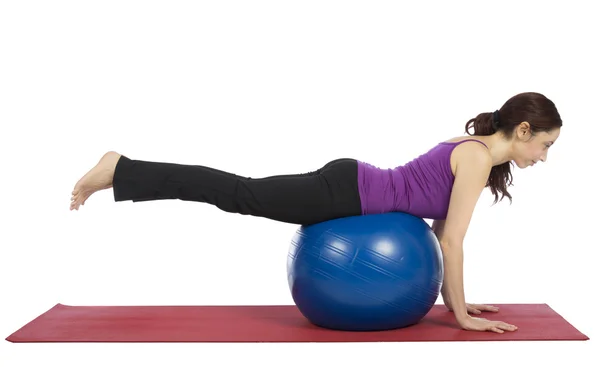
pixel 327 193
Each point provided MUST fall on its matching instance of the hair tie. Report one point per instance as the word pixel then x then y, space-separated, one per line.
pixel 496 119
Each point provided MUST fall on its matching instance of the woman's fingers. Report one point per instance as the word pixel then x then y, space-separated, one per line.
pixel 502 326
pixel 473 310
pixel 480 307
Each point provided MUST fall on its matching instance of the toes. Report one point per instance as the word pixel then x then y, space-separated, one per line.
pixel 84 199
pixel 75 201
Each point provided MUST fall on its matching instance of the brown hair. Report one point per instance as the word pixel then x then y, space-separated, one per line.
pixel 536 109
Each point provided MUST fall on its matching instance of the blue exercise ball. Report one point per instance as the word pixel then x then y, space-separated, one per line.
pixel 365 273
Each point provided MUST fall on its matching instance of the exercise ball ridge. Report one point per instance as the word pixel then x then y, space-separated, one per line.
pixel 365 273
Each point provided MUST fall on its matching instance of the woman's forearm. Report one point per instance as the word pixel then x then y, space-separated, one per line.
pixel 453 287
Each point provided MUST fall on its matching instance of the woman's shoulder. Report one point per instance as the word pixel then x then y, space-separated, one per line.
pixel 468 151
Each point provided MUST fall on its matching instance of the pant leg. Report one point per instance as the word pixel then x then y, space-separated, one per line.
pixel 327 193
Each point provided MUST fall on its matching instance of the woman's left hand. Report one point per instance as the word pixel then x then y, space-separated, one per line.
pixel 477 308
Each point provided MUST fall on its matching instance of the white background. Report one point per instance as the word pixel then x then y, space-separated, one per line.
pixel 272 87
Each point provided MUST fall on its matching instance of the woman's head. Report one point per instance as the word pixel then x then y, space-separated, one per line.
pixel 530 122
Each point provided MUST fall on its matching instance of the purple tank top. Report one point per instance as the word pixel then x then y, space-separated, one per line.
pixel 421 187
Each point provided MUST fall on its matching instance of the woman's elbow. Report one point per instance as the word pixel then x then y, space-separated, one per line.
pixel 451 243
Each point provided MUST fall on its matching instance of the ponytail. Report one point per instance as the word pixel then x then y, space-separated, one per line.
pixel 500 176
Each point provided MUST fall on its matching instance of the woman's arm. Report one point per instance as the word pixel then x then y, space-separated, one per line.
pixel 438 230
pixel 472 171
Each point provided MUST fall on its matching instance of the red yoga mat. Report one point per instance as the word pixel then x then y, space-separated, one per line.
pixel 268 324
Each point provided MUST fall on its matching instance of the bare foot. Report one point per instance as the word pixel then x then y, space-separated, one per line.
pixel 98 178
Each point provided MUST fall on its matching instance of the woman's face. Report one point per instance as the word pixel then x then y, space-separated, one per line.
pixel 531 149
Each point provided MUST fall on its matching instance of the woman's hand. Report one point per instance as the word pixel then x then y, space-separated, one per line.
pixel 479 324
pixel 475 308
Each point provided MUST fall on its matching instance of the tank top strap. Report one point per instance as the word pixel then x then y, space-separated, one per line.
pixel 463 141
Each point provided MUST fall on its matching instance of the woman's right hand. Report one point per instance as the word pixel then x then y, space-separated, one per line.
pixel 480 324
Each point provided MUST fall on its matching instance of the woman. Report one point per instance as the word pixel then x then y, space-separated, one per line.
pixel 443 184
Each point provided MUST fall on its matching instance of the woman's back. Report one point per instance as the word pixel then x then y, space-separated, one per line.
pixel 421 187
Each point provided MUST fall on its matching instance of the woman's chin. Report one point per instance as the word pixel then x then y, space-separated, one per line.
pixel 521 165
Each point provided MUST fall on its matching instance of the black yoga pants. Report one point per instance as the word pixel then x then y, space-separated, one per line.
pixel 328 193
